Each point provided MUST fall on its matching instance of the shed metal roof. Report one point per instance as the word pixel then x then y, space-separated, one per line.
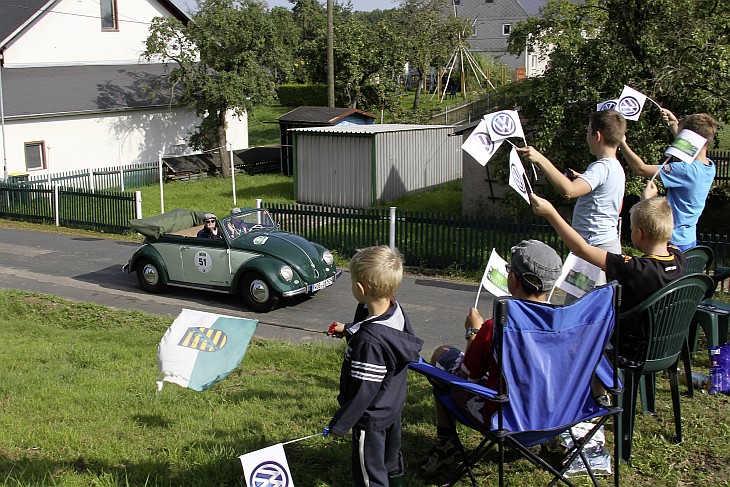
pixel 369 129
pixel 83 89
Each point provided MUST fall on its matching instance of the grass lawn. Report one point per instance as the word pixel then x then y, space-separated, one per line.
pixel 79 408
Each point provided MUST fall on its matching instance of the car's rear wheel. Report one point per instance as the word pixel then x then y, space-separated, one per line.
pixel 150 276
pixel 257 294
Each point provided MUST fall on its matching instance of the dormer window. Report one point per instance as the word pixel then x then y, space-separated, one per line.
pixel 109 17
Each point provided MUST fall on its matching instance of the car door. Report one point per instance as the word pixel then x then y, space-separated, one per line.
pixel 205 262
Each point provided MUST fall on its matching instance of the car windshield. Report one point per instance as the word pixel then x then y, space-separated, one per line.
pixel 247 221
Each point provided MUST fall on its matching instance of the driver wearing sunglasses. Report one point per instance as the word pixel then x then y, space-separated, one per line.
pixel 210 229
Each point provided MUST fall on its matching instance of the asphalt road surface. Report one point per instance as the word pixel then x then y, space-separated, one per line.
pixel 90 270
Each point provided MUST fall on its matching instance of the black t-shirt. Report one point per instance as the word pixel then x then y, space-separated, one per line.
pixel 640 277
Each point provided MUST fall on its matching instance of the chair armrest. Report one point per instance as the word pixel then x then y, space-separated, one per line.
pixel 444 380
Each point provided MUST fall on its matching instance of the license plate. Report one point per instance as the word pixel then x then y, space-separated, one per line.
pixel 322 284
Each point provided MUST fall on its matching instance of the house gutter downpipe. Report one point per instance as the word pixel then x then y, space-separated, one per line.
pixel 2 119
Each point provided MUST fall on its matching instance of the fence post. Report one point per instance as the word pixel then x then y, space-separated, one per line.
pixel 56 211
pixel 258 202
pixel 138 204
pixel 392 227
pixel 162 194
pixel 91 180
pixel 233 172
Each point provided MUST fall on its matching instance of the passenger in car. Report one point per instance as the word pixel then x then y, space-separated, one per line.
pixel 210 228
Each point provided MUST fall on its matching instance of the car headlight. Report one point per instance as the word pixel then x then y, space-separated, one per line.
pixel 286 273
pixel 327 257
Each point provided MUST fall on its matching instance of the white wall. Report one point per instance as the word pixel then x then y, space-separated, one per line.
pixel 91 141
pixel 70 33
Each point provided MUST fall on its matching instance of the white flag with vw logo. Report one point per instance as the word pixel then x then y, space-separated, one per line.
pixel 517 177
pixel 607 105
pixel 503 125
pixel 631 103
pixel 479 145
pixel 267 467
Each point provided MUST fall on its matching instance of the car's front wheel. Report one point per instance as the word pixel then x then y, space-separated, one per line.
pixel 257 294
pixel 150 276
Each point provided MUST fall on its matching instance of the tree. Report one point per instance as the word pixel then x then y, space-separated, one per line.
pixel 221 58
pixel 428 32
pixel 675 51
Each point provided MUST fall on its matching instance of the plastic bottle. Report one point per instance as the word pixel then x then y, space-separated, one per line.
pixel 699 381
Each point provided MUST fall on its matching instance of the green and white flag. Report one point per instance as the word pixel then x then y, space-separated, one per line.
pixel 200 349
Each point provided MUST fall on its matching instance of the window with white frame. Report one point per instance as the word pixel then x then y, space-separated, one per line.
pixel 506 29
pixel 35 156
pixel 109 17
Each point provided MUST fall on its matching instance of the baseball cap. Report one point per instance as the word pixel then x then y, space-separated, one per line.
pixel 538 260
pixel 210 216
pixel 235 211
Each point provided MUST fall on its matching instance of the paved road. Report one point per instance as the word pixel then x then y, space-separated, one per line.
pixel 89 269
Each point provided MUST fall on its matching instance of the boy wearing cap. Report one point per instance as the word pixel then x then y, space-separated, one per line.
pixel 534 267
pixel 651 227
pixel 210 229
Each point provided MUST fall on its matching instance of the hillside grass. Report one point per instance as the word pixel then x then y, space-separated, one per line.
pixel 79 408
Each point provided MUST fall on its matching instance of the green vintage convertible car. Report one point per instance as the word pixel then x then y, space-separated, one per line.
pixel 253 258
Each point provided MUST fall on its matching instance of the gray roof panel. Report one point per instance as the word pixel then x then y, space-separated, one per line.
pixel 58 90
pixel 369 129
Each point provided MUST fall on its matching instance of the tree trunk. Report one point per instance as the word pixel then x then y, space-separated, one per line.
pixel 419 87
pixel 223 146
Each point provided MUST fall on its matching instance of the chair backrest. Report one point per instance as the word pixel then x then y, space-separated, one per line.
pixel 699 259
pixel 667 314
pixel 548 355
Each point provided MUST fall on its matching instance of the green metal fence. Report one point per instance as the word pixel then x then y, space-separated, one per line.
pixel 101 211
pixel 722 164
pixel 426 239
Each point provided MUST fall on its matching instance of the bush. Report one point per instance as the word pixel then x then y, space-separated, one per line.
pixel 303 95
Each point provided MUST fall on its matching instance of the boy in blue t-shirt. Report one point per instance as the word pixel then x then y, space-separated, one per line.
pixel 687 184
pixel 600 189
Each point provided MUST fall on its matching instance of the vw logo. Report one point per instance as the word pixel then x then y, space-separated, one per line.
pixel 517 177
pixel 486 142
pixel 629 106
pixel 608 105
pixel 503 125
pixel 269 474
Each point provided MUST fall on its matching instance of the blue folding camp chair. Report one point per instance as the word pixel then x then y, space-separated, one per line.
pixel 547 356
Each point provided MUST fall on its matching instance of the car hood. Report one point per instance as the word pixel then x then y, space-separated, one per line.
pixel 296 251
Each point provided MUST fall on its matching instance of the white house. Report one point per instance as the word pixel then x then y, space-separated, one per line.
pixel 76 94
pixel 492 23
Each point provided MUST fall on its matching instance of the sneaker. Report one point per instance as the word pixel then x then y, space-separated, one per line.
pixel 442 454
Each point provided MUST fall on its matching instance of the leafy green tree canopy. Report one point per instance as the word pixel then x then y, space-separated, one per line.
pixel 675 51
pixel 221 58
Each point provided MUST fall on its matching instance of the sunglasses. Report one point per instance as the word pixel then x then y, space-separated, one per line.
pixel 210 220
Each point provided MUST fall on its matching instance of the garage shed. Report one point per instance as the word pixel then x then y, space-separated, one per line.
pixel 361 165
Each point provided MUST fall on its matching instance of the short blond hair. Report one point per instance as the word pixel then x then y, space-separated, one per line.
pixel 654 216
pixel 379 269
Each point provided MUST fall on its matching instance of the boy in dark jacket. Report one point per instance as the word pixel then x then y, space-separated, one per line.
pixel 380 344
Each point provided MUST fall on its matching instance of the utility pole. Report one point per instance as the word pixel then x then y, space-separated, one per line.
pixel 330 56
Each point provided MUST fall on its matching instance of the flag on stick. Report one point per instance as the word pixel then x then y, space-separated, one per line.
pixel 494 279
pixel 517 176
pixel 607 105
pixel 630 103
pixel 267 467
pixel 200 349
pixel 504 124
pixel 479 145
pixel 578 276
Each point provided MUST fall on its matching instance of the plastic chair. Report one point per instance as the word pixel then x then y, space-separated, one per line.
pixel 537 402
pixel 699 259
pixel 667 315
